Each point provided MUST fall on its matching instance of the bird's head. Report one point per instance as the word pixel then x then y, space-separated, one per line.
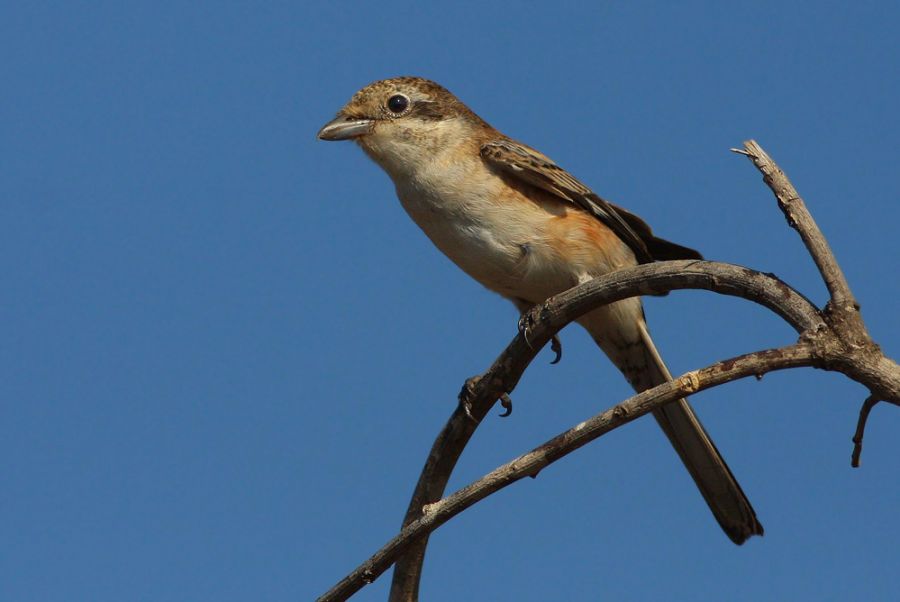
pixel 403 122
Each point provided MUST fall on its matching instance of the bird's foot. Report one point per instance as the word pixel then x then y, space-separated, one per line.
pixel 526 322
pixel 468 392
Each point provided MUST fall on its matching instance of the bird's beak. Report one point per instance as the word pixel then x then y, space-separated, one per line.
pixel 344 128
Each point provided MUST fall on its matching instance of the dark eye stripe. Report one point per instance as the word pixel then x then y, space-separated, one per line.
pixel 429 111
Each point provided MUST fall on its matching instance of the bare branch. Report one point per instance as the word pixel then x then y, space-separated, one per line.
pixel 860 429
pixel 531 463
pixel 799 218
pixel 833 339
pixel 546 320
pixel 844 330
pixel 848 346
pixel 867 406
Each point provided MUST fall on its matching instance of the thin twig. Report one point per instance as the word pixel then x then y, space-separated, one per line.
pixel 435 515
pixel 800 219
pixel 867 406
pixel 861 428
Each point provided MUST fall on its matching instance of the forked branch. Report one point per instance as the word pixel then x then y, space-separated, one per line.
pixel 832 338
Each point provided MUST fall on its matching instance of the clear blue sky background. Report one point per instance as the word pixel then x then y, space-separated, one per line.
pixel 225 350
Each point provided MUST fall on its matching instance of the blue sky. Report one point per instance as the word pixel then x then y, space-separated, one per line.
pixel 225 350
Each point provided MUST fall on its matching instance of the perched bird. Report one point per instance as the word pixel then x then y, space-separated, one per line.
pixel 525 228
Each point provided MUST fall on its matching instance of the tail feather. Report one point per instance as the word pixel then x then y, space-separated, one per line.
pixel 619 329
pixel 714 479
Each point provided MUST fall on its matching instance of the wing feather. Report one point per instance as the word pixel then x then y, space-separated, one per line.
pixel 536 169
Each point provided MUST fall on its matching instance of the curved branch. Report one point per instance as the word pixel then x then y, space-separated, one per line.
pixel 833 339
pixel 531 463
pixel 662 277
pixel 546 320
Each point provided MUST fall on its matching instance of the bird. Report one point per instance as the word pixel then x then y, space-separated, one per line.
pixel 524 227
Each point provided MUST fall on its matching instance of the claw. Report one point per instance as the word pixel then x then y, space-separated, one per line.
pixel 525 322
pixel 465 399
pixel 525 327
pixel 556 347
pixel 465 396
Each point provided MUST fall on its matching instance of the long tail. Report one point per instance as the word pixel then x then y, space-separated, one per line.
pixel 636 356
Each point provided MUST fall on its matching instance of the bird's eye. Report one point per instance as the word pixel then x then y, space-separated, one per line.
pixel 397 103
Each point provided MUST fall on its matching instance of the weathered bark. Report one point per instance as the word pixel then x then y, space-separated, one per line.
pixel 831 338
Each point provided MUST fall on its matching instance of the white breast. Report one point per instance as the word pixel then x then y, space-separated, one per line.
pixel 503 246
pixel 450 193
